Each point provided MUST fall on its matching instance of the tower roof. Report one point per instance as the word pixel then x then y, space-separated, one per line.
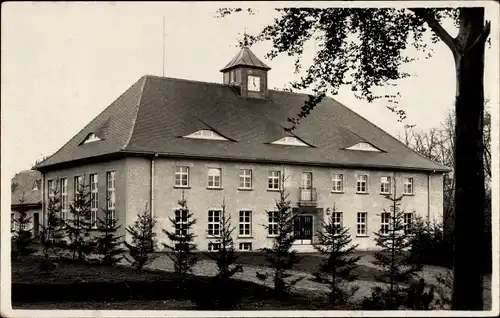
pixel 245 58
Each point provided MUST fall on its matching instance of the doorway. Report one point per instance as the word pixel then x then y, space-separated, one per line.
pixel 303 229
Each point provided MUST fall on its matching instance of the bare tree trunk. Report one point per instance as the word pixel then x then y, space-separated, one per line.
pixel 469 174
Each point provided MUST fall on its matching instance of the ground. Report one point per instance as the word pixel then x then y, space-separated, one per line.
pixel 162 269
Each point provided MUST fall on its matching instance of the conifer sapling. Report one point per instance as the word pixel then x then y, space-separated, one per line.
pixel 108 244
pixel 142 242
pixel 182 249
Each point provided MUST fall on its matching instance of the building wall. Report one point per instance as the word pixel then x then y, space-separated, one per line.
pixel 259 199
pixel 101 168
pixel 133 194
pixel 31 214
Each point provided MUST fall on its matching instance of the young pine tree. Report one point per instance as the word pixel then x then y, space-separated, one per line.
pixel 22 238
pixel 336 270
pixel 280 257
pixel 182 250
pixel 225 256
pixel 78 226
pixel 108 244
pixel 396 264
pixel 143 240
pixel 52 233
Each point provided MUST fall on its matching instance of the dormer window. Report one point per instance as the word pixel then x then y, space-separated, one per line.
pixel 36 186
pixel 290 141
pixel 205 134
pixel 91 138
pixel 364 146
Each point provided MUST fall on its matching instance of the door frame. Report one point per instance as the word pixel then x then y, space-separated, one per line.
pixel 302 241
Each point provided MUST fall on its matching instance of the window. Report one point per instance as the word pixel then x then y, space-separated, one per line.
pixel 245 223
pixel 111 195
pixel 290 141
pixel 232 76
pixel 408 186
pixel 181 222
pixel 182 177
pixel 361 224
pixel 205 134
pixel 338 183
pixel 246 246
pixel 51 185
pixel 212 247
pixel 214 178
pixel 274 180
pixel 214 222
pixel 364 146
pixel 362 184
pixel 91 138
pixel 64 198
pixel 36 185
pixel 407 222
pixel 385 222
pixel 273 218
pixel 94 199
pixel 337 221
pixel 12 222
pixel 385 185
pixel 245 179
pixel 78 184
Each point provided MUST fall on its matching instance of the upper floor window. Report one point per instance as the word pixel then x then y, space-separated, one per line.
pixel 91 138
pixel 214 178
pixel 362 183
pixel 290 141
pixel 64 198
pixel 94 199
pixel 245 179
pixel 408 186
pixel 385 185
pixel 363 146
pixel 338 183
pixel 182 177
pixel 274 180
pixel 111 195
pixel 205 134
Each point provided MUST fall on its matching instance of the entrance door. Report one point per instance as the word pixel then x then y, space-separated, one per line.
pixel 36 225
pixel 303 229
pixel 306 186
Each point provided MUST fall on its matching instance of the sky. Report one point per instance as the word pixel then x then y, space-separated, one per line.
pixel 63 63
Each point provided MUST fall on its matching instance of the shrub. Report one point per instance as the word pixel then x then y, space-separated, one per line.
pixel 428 245
pixel 143 236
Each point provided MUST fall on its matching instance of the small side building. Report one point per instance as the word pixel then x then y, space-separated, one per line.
pixel 26 188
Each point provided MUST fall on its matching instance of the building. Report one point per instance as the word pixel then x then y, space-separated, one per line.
pixel 164 137
pixel 27 196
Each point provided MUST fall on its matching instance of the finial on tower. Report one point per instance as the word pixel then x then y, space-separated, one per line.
pixel 245 38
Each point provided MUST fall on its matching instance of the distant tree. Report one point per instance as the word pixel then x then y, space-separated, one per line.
pixel 364 48
pixel 397 266
pixel 52 233
pixel 182 249
pixel 224 254
pixel 143 240
pixel 78 225
pixel 280 256
pixel 109 244
pixel 336 270
pixel 22 237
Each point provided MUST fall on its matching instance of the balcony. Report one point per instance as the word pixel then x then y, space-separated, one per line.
pixel 307 197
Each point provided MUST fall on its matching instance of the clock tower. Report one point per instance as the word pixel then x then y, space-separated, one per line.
pixel 247 74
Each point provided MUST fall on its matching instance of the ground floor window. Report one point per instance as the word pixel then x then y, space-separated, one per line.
pixel 407 222
pixel 337 222
pixel 246 246
pixel 385 221
pixel 361 224
pixel 214 222
pixel 213 246
pixel 272 227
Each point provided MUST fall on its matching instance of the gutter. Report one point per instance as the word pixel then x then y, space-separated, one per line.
pixel 152 194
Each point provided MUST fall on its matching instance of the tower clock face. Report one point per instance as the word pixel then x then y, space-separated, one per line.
pixel 254 83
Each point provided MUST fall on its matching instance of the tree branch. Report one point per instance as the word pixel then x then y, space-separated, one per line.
pixel 437 28
pixel 481 39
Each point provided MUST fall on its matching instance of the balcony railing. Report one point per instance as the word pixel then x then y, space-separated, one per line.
pixel 307 197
